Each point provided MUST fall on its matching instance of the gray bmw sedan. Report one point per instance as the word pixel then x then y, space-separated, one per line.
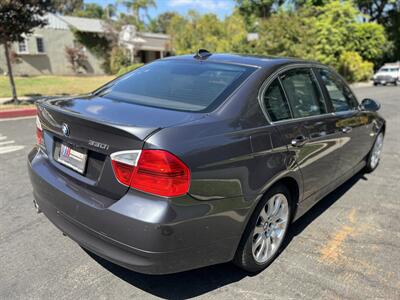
pixel 197 160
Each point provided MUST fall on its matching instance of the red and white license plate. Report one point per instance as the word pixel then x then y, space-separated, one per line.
pixel 74 158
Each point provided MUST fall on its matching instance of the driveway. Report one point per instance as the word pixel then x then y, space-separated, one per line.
pixel 347 246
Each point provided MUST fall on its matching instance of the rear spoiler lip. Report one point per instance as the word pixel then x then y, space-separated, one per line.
pixel 140 132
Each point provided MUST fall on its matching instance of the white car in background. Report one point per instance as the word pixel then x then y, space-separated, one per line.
pixel 389 73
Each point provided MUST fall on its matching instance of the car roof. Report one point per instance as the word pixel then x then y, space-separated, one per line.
pixel 251 60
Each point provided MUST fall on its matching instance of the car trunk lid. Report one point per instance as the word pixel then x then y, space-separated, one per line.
pixel 98 127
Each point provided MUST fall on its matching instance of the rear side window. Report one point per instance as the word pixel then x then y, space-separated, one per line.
pixel 178 85
pixel 341 97
pixel 275 102
pixel 303 93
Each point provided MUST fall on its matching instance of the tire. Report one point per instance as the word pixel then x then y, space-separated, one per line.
pixel 375 153
pixel 265 238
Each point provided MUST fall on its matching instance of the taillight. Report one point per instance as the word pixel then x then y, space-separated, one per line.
pixel 152 171
pixel 39 133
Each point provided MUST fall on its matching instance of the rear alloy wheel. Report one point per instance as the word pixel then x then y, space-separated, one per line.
pixel 266 232
pixel 375 154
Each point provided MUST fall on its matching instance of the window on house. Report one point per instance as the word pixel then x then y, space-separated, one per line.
pixel 39 45
pixel 23 46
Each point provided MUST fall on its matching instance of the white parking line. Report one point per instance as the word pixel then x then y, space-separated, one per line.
pixel 10 148
pixel 6 143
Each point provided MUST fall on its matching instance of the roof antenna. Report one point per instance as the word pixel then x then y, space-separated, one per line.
pixel 202 54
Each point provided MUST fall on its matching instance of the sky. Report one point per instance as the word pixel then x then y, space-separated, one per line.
pixel 221 8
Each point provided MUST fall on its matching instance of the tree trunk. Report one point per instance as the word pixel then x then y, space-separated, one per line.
pixel 10 74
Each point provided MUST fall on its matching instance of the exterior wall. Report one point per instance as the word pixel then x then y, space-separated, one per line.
pixel 54 60
pixel 154 42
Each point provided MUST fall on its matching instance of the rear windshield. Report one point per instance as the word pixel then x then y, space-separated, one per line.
pixel 178 85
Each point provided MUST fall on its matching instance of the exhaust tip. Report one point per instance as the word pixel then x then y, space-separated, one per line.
pixel 36 205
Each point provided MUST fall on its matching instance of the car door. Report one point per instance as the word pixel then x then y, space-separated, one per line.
pixel 353 123
pixel 307 128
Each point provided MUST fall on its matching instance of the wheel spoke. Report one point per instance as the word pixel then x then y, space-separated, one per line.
pixel 263 216
pixel 258 241
pixel 274 205
pixel 280 223
pixel 263 246
pixel 269 247
pixel 259 229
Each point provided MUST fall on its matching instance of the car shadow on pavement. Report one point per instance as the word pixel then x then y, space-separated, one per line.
pixel 299 225
pixel 200 281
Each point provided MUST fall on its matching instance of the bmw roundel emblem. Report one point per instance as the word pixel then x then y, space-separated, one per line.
pixel 65 129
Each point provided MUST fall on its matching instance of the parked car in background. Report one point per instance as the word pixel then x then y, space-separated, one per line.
pixel 389 73
pixel 197 160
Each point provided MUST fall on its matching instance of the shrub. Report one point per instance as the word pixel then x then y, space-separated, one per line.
pixel 354 68
pixel 127 69
pixel 118 60
pixel 76 57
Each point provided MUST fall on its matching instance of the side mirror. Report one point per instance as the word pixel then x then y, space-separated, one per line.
pixel 370 105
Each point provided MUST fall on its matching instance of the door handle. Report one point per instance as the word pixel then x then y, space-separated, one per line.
pixel 347 129
pixel 299 141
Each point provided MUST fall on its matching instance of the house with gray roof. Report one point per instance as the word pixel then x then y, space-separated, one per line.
pixel 43 51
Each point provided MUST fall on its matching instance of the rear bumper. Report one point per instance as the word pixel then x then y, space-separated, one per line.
pixel 140 232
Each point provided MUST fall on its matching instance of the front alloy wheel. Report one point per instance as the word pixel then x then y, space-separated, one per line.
pixel 375 154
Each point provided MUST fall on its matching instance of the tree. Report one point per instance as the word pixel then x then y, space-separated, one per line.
pixel 197 31
pixel 136 6
pixel 94 10
pixel 162 22
pixel 376 9
pixel 259 8
pixel 338 29
pixel 252 10
pixel 287 33
pixel 392 25
pixel 110 10
pixel 66 7
pixel 91 10
pixel 330 33
pixel 19 18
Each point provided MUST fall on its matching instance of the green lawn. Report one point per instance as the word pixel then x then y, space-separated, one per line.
pixel 52 85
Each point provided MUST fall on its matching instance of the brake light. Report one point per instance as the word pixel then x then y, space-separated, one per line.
pixel 152 171
pixel 39 133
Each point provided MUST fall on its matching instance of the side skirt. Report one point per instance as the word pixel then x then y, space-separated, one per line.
pixel 308 203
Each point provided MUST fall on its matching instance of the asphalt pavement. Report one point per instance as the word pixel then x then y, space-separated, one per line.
pixel 347 246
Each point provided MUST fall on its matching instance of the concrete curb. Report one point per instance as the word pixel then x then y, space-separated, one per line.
pixel 19 112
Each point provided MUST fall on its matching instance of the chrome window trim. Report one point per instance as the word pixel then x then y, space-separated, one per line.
pixel 267 82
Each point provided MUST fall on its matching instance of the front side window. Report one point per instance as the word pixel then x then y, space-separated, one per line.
pixel 341 97
pixel 178 85
pixel 40 45
pixel 275 102
pixel 303 94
